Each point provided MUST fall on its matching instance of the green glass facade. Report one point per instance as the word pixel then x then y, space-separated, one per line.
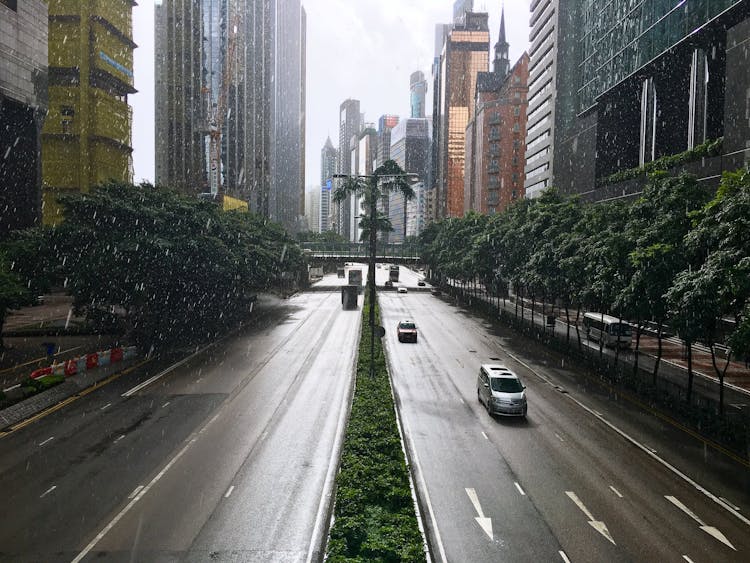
pixel 621 36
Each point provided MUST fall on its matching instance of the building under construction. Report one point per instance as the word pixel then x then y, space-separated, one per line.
pixel 229 111
pixel 86 138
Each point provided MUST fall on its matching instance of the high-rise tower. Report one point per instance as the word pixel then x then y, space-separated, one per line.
pixel 328 156
pixel 418 91
pixel 87 133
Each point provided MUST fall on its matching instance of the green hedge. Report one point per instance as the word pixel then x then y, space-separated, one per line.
pixel 374 509
pixel 705 150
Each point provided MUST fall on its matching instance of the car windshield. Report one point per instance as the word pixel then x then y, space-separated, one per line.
pixel 409 326
pixel 506 385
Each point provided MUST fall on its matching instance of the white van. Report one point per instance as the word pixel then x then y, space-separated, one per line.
pixel 500 390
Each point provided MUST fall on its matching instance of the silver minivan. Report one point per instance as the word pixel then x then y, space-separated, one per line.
pixel 500 391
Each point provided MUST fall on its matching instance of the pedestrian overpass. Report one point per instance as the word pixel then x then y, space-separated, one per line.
pixel 319 253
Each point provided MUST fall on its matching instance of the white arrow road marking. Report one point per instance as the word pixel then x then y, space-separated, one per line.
pixel 615 491
pixel 710 530
pixel 598 525
pixel 485 523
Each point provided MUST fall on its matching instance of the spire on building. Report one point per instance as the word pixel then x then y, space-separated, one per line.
pixel 328 144
pixel 501 64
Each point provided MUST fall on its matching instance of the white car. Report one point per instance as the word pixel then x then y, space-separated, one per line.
pixel 402 289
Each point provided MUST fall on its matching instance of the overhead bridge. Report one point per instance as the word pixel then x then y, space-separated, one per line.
pixel 318 252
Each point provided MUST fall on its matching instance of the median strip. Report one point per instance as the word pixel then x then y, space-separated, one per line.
pixel 374 517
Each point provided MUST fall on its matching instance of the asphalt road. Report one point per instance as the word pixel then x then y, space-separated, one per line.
pixel 586 477
pixel 228 457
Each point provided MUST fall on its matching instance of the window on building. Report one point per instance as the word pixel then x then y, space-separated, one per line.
pixel 516 111
pixel 67 113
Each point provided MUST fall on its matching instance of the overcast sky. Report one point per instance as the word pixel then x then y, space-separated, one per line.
pixel 363 49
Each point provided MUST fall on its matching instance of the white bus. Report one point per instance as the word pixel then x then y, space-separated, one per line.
pixel 611 330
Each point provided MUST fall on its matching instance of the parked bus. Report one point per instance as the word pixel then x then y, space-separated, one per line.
pixel 608 329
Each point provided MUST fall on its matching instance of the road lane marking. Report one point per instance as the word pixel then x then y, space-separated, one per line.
pixel 165 404
pixel 520 490
pixel 229 491
pixel 649 448
pixel 686 558
pixel 48 491
pixel 482 520
pixel 462 401
pixel 710 530
pixel 105 406
pixel 485 436
pixel 730 504
pixel 640 446
pixel 263 436
pixel 47 440
pixel 135 491
pixel 598 525
pixel 130 505
pixel 564 557
pixel 559 437
pixel 119 438
pixel 161 374
pixel 616 491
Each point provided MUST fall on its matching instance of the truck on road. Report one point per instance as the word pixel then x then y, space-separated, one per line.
pixel 393 273
pixel 355 277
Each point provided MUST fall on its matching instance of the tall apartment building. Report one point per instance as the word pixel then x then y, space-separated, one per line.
pixel 23 105
pixel 312 210
pixel 465 54
pixel 649 79
pixel 418 92
pixel 540 132
pixel 385 124
pixel 350 124
pixel 494 175
pixel 410 149
pixel 328 158
pixel 230 101
pixel 86 138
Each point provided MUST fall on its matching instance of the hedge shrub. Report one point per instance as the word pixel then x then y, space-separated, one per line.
pixel 374 510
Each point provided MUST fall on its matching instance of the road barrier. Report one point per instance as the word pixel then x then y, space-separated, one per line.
pixel 86 362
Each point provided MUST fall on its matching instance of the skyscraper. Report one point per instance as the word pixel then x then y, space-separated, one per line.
pixel 543 56
pixel 385 124
pixel 86 138
pixel 418 91
pixel 646 81
pixel 495 135
pixel 465 54
pixel 328 156
pixel 230 101
pixel 349 128
pixel 410 149
pixel 460 7
pixel 23 105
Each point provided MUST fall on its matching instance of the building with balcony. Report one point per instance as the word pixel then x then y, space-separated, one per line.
pixel 86 138
pixel 23 105
pixel 494 171
pixel 542 96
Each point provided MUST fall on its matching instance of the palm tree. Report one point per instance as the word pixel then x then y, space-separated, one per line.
pixel 389 177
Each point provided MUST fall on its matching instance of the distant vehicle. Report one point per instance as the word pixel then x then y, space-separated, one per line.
pixel 355 277
pixel 500 390
pixel 608 329
pixel 341 272
pixel 421 283
pixel 406 331
pixel 393 273
pixel 436 292
pixel 349 295
pixel 402 289
pixel 388 283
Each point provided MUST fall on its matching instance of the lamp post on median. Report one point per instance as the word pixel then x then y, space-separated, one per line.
pixel 368 186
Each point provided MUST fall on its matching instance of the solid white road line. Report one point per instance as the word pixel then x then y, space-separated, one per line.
pixel 616 491
pixel 520 490
pixel 130 505
pixel 161 374
pixel 637 444
pixel 48 491
pixel 564 557
pixel 730 503
pixel 229 491
pixel 135 491
pixel 47 440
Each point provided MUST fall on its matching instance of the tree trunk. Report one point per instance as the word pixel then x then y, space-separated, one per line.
pixel 567 325
pixel 578 329
pixel 658 352
pixel 637 346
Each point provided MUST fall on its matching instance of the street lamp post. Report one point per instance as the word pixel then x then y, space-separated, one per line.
pixel 367 185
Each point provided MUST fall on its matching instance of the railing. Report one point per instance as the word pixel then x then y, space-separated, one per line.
pixel 356 250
